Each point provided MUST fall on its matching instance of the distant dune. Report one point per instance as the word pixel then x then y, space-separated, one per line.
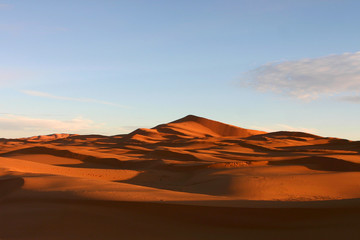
pixel 194 125
pixel 193 178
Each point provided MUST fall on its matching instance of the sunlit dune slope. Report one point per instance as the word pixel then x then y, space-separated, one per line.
pixel 202 156
pixel 187 128
pixel 192 161
pixel 203 127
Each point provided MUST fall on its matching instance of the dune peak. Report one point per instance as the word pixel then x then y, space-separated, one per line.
pixel 205 127
pixel 190 117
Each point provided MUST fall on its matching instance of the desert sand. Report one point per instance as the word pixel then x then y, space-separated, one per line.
pixel 193 178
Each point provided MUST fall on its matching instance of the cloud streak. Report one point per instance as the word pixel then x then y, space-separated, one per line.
pixel 86 100
pixel 309 79
pixel 18 126
pixel 353 99
pixel 21 125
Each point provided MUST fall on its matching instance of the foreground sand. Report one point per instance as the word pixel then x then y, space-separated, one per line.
pixel 190 179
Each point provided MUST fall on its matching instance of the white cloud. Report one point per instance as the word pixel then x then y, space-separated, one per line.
pixel 17 126
pixel 353 99
pixel 21 126
pixel 309 79
pixel 14 122
pixel 88 100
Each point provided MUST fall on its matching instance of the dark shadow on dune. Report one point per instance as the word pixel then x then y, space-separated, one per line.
pixel 168 154
pixel 87 165
pixel 253 214
pixel 299 136
pixel 10 184
pixel 332 144
pixel 102 219
pixel 90 161
pixel 67 154
pixel 321 163
pixel 254 147
pixel 192 180
pixel 126 165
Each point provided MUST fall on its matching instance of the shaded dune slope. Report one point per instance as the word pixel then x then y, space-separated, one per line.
pixel 299 136
pixel 321 163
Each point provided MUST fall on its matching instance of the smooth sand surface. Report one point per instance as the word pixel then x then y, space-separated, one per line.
pixel 193 178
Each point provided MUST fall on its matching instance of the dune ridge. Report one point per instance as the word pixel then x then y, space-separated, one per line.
pixel 173 176
pixel 205 127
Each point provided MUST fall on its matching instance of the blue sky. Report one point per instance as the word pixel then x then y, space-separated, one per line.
pixel 108 67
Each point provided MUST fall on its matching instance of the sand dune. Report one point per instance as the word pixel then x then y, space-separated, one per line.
pixel 193 178
pixel 202 127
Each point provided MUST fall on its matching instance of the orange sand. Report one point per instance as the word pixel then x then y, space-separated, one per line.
pixel 193 178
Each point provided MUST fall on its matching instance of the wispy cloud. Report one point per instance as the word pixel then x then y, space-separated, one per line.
pixel 353 99
pixel 15 126
pixel 51 96
pixel 309 79
pixel 25 125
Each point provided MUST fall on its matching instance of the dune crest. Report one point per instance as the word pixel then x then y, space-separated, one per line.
pixel 203 127
pixel 214 177
pixel 50 137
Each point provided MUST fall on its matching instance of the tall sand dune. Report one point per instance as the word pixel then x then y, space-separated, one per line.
pixel 205 127
pixel 193 178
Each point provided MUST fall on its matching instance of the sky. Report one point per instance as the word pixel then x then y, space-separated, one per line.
pixel 109 67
